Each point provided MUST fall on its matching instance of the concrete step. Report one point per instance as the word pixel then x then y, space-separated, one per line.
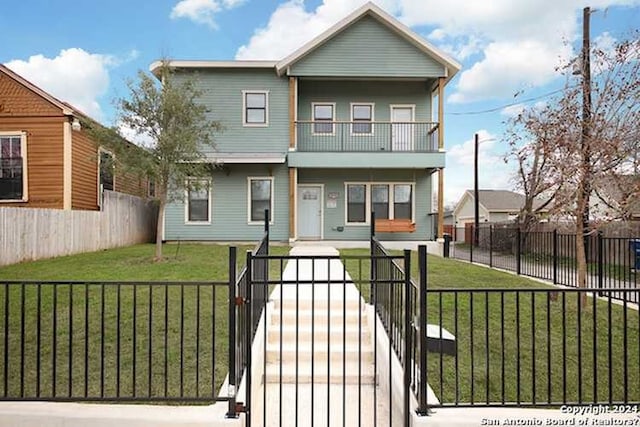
pixel 336 353
pixel 353 374
pixel 320 333
pixel 319 317
pixel 319 304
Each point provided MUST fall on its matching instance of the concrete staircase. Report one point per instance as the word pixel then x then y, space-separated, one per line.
pixel 318 339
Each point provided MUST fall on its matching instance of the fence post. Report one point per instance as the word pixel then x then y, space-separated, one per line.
pixel 267 218
pixel 231 393
pixel 555 256
pixel 423 409
pixel 248 307
pixel 491 246
pixel 446 250
pixel 518 250
pixel 408 329
pixel 373 266
pixel 471 247
pixel 600 259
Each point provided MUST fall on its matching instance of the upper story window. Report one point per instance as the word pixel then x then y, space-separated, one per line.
pixel 362 118
pixel 323 117
pixel 13 164
pixel 255 110
pixel 198 209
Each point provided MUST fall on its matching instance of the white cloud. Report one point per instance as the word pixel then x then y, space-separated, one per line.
pixel 493 173
pixel 143 140
pixel 522 41
pixel 202 11
pixel 75 76
pixel 512 110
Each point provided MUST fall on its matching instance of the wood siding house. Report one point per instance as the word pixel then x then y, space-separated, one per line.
pixel 47 160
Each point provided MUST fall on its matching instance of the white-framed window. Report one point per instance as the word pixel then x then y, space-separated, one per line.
pixel 362 117
pixel 260 192
pixel 389 200
pixel 13 166
pixel 323 115
pixel 198 201
pixel 255 108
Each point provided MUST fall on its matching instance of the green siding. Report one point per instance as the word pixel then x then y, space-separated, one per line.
pixel 334 182
pixel 223 96
pixel 367 49
pixel 382 93
pixel 229 208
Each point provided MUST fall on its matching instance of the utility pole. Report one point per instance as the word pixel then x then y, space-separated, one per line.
pixel 586 119
pixel 476 192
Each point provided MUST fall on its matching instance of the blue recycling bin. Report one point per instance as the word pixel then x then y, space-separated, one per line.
pixel 634 247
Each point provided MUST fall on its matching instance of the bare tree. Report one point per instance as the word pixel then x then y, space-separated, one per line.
pixel 561 166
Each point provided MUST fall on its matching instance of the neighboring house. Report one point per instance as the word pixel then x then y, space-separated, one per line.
pixel 616 198
pixel 341 127
pixel 46 159
pixel 494 206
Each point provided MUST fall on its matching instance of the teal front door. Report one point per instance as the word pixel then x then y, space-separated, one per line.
pixel 310 212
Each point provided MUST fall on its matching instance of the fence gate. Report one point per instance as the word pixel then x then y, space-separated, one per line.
pixel 325 340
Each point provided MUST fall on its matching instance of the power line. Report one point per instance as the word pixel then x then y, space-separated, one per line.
pixel 494 109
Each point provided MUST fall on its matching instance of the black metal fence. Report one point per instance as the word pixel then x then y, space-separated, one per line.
pixel 535 347
pixel 245 308
pixel 551 255
pixel 112 341
pixel 328 136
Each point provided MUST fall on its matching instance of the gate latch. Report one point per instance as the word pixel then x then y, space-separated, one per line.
pixel 241 301
pixel 241 408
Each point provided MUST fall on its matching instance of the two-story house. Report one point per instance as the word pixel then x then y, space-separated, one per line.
pixel 346 125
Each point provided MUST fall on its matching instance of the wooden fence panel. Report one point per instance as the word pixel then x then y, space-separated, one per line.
pixel 28 234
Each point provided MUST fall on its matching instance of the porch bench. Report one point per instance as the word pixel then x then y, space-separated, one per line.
pixel 395 226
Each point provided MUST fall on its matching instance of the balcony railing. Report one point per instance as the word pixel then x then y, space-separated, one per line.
pixel 338 136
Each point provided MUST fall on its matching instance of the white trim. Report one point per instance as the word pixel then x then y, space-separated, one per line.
pixel 367 207
pixel 209 182
pixel 413 119
pixel 373 117
pixel 156 65
pixel 313 119
pixel 67 177
pixel 25 165
pixel 295 115
pixel 295 205
pixel 321 207
pixel 271 204
pixel 244 108
pixel 369 8
pixel 368 200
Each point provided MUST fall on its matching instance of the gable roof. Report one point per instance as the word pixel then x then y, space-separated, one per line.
pixel 67 109
pixel 496 201
pixel 370 9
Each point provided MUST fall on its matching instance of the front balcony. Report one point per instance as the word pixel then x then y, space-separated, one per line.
pixel 356 144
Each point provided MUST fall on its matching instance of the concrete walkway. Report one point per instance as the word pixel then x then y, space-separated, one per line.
pixel 319 348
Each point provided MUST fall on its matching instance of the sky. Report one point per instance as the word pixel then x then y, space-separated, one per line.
pixel 83 52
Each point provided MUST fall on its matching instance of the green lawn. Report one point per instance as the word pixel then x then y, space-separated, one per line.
pixel 541 360
pixel 204 328
pixel 195 328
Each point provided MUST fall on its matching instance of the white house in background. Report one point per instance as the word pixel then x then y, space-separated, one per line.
pixel 494 206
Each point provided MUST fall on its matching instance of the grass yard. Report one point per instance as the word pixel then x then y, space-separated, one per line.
pixel 511 332
pixel 113 368
pixel 200 330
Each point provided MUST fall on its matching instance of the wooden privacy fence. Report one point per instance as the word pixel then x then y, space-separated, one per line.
pixel 28 234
